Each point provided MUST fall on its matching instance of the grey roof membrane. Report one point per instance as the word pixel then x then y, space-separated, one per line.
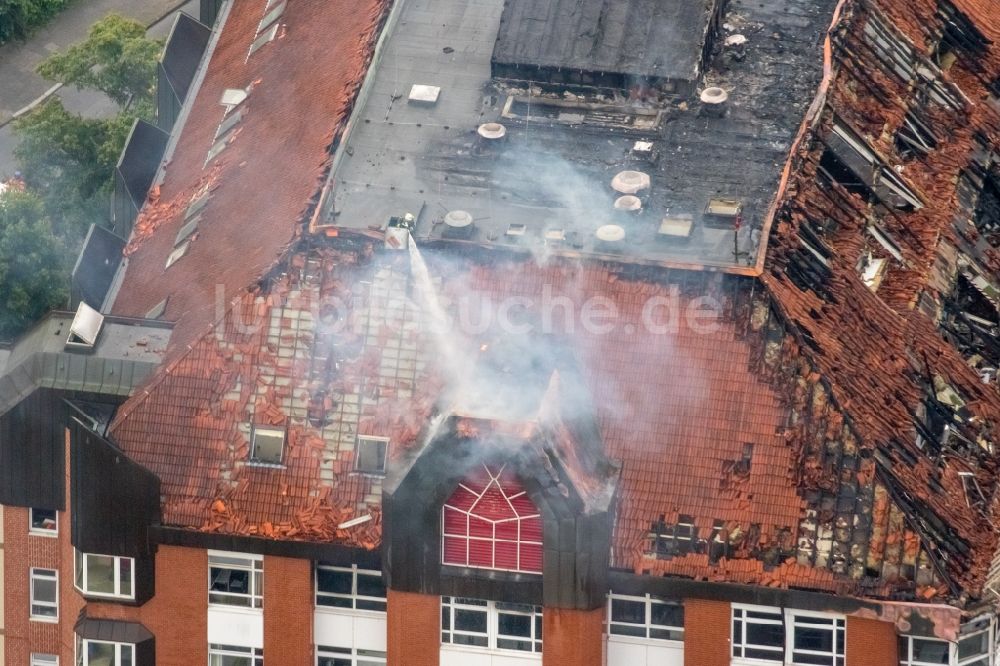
pixel 125 353
pixel 645 38
pixel 554 168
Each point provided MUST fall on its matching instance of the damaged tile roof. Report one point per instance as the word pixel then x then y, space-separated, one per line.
pixel 260 185
pixel 829 433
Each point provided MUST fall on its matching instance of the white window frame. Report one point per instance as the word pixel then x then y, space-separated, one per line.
pixel 492 634
pixel 743 645
pixel 42 531
pixel 39 659
pixel 648 627
pixel 81 651
pixel 353 597
pixel 906 657
pixel 838 625
pixel 366 440
pixel 355 655
pixel 43 574
pixel 977 659
pixel 81 582
pixel 255 655
pixel 254 564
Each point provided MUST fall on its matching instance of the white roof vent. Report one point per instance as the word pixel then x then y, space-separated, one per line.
pixel 610 233
pixel 630 182
pixel 713 101
pixel 628 202
pixel 85 328
pixel 458 219
pixel 492 131
pixel 233 97
pixel 423 94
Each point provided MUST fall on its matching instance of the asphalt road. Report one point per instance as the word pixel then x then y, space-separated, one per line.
pixel 85 102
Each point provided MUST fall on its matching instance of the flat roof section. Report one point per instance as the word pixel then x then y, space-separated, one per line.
pixel 644 39
pixel 423 142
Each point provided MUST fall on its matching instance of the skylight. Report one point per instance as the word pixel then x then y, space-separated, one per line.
pixel 267 445
pixel 189 228
pixel 157 310
pixel 271 17
pixel 263 38
pixel 178 252
pixel 85 328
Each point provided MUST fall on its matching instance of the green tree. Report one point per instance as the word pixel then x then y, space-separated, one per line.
pixel 68 161
pixel 34 265
pixel 19 17
pixel 116 58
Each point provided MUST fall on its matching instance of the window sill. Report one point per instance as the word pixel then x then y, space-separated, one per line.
pixel 235 609
pixel 471 649
pixel 350 612
pixel 662 642
pixel 49 534
pixel 46 620
pixel 110 598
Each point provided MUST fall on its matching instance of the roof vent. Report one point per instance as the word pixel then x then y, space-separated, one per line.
pixel 629 203
pixel 492 131
pixel 85 328
pixel 609 238
pixel 736 40
pixel 630 182
pixel 459 223
pixel 422 94
pixel 713 101
pixel 233 97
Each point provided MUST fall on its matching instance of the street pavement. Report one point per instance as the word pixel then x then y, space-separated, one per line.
pixel 20 86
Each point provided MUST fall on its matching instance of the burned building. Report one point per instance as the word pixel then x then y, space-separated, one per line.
pixel 512 332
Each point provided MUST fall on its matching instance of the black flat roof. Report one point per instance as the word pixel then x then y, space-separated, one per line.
pixel 644 38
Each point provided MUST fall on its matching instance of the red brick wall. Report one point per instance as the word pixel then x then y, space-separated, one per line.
pixel 572 637
pixel 23 551
pixel 870 642
pixel 288 611
pixel 706 633
pixel 414 629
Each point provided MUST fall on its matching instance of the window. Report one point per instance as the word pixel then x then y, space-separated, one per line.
pixel 369 455
pixel 44 659
pixel 816 639
pixel 105 575
pixel 342 587
pixel 666 541
pixel 758 633
pixel 235 581
pixel 974 640
pixel 263 38
pixel 645 617
pixel 493 625
pixel 491 523
pixel 918 651
pixel 267 445
pixel 104 653
pixel 796 638
pixel 44 595
pixel 334 656
pixel 44 522
pixel 234 655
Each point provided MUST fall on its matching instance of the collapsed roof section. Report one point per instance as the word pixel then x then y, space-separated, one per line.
pixel 868 253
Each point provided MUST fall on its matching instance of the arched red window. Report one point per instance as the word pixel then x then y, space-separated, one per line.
pixel 491 523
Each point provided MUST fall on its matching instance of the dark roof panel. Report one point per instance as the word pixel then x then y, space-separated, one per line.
pixel 644 38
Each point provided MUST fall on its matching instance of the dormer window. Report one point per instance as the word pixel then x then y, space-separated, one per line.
pixel 491 523
pixel 267 445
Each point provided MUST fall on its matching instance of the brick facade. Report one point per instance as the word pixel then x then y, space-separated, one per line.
pixel 414 629
pixel 572 637
pixel 706 632
pixel 288 604
pixel 871 642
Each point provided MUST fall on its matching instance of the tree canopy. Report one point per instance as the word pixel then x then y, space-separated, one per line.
pixel 116 58
pixel 34 266
pixel 19 17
